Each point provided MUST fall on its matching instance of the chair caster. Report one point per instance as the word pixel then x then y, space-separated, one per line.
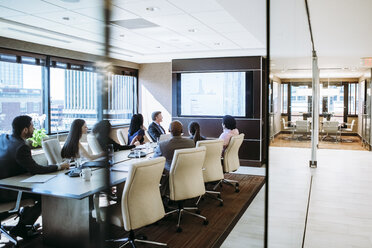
pixel 197 211
pixel 179 229
pixel 219 196
pixel 221 204
pixel 205 222
pixel 237 190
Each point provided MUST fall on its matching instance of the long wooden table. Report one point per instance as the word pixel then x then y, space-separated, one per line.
pixel 67 202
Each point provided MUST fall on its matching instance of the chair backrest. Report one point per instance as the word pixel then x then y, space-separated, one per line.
pixel 352 125
pixel 231 155
pixel 330 126
pixel 141 202
pixel 93 144
pixel 302 126
pixel 283 121
pixel 52 150
pixel 122 135
pixel 186 174
pixel 165 136
pixel 147 138
pixel 212 162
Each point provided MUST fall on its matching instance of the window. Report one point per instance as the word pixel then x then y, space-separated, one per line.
pixel 353 99
pixel 284 105
pixel 73 95
pixel 300 101
pixel 71 89
pixel 122 98
pixel 21 90
pixel 213 94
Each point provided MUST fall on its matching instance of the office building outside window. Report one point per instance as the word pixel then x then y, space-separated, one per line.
pixel 122 98
pixel 73 95
pixel 20 92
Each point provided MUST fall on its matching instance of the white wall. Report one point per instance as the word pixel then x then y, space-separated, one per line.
pixel 155 91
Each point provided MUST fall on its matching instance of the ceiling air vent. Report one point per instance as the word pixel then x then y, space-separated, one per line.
pixel 135 23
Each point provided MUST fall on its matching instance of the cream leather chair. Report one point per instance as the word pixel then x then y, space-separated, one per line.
pixel 9 209
pixel 231 160
pixel 331 127
pixel 165 136
pixel 93 144
pixel 52 150
pixel 186 180
pixel 122 135
pixel 141 203
pixel 212 169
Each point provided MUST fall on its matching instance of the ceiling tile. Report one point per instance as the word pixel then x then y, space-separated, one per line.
pixel 74 18
pixel 210 18
pixel 139 8
pixel 30 6
pixel 244 39
pixel 195 6
pixel 77 5
pixel 97 13
pixel 5 12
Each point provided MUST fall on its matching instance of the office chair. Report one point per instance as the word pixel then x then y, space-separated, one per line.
pixel 212 169
pixel 10 209
pixel 231 160
pixel 141 203
pixel 52 150
pixel 186 180
pixel 93 144
pixel 122 135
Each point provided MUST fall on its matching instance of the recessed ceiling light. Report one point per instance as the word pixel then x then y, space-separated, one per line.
pixel 152 8
pixel 192 30
pixel 66 18
pixel 217 43
pixel 174 39
pixel 122 35
pixel 158 47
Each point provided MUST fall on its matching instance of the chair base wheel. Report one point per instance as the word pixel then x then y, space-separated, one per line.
pixel 221 204
pixel 237 190
pixel 197 211
pixel 179 229
pixel 206 222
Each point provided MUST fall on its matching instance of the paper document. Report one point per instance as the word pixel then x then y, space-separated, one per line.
pixel 38 179
pixel 121 167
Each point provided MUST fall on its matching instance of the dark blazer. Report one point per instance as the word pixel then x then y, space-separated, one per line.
pixel 155 131
pixel 103 142
pixel 16 159
pixel 166 148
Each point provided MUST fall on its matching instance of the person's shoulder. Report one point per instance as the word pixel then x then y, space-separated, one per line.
pixel 152 124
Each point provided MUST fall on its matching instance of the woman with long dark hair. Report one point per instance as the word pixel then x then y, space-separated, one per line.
pixel 102 132
pixel 194 131
pixel 72 147
pixel 136 131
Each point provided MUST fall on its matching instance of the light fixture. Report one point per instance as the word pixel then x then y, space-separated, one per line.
pixel 66 18
pixel 158 47
pixel 217 43
pixel 192 30
pixel 122 35
pixel 174 39
pixel 152 9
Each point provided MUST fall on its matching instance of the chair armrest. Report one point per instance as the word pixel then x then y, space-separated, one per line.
pixel 18 203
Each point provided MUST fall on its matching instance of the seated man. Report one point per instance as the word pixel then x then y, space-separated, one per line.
pixel 166 149
pixel 155 130
pixel 16 159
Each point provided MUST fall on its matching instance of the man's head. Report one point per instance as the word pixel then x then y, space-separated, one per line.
pixel 23 126
pixel 157 116
pixel 175 128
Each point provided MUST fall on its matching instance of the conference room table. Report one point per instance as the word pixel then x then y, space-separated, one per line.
pixel 67 202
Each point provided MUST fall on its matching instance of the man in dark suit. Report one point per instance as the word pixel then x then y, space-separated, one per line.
pixel 16 159
pixel 166 149
pixel 155 130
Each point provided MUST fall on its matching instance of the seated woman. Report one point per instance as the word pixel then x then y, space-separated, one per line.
pixel 102 131
pixel 229 130
pixel 136 131
pixel 194 131
pixel 72 147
